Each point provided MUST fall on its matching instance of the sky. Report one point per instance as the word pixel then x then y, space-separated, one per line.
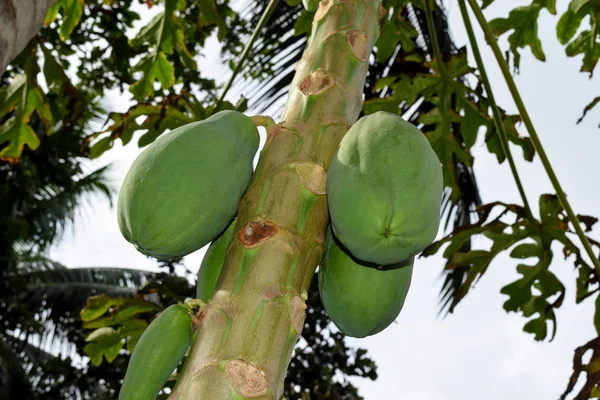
pixel 479 351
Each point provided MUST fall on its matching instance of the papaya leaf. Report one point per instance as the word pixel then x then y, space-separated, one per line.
pixel 495 146
pixel 115 323
pixel 538 292
pixel 591 385
pixel 522 21
pixel 71 12
pixel 588 46
pixel 210 16
pixel 588 108
pixel 588 42
pixel 18 102
pixel 393 31
pixel 165 35
pixel 18 134
pixel 96 306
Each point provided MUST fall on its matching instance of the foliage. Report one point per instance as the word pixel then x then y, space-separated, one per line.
pixel 441 94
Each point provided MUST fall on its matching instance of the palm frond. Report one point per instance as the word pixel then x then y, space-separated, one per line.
pixel 55 206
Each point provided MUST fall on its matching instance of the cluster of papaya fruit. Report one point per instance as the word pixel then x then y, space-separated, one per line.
pixel 384 188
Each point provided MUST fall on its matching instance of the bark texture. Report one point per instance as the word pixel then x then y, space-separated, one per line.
pixel 20 20
pixel 248 330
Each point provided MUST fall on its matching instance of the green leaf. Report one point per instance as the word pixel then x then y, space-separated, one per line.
pixel 494 145
pixel 597 315
pixel 472 121
pixel 525 250
pixel 394 31
pixel 522 21
pixel 71 12
pixel 100 147
pixel 19 134
pixel 583 45
pixel 96 306
pixel 209 15
pixel 154 69
pixel 303 24
pixel 567 26
pixel 588 108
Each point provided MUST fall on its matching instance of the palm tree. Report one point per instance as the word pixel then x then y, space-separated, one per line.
pixel 49 190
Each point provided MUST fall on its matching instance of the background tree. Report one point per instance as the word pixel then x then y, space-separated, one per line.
pixel 452 107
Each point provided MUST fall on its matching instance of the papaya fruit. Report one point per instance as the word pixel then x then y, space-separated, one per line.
pixel 212 264
pixel 360 300
pixel 384 190
pixel 184 190
pixel 310 5
pixel 157 353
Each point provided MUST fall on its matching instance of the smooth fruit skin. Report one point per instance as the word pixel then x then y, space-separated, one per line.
pixel 212 264
pixel 384 190
pixel 156 355
pixel 185 189
pixel 361 301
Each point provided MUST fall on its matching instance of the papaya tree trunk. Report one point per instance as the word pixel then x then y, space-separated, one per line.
pixel 248 330
pixel 20 20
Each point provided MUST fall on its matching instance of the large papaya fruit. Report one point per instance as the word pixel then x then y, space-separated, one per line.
pixel 384 189
pixel 212 264
pixel 156 355
pixel 360 300
pixel 183 190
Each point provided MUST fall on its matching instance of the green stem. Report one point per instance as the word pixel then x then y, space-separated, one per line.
pixel 495 110
pixel 263 120
pixel 433 37
pixel 261 24
pixel 491 39
pixel 437 54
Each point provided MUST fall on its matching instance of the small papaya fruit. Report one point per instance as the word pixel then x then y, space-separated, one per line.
pixel 157 353
pixel 360 300
pixel 183 190
pixel 212 264
pixel 310 5
pixel 384 190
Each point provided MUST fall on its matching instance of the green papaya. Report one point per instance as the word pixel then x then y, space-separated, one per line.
pixel 157 353
pixel 360 300
pixel 212 264
pixel 384 190
pixel 183 190
pixel 310 5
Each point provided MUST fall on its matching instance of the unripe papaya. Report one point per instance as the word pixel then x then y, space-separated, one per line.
pixel 183 190
pixel 212 264
pixel 384 189
pixel 156 355
pixel 360 300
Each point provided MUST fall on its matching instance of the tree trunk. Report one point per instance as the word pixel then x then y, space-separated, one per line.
pixel 20 20
pixel 248 331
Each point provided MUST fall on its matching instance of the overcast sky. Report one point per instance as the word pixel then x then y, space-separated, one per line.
pixel 480 351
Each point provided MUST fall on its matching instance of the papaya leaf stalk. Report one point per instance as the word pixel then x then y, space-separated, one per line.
pixel 537 144
pixel 249 328
pixel 500 129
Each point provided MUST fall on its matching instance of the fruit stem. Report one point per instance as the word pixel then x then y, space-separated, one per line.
pixel 263 120
pixel 491 39
pixel 500 129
